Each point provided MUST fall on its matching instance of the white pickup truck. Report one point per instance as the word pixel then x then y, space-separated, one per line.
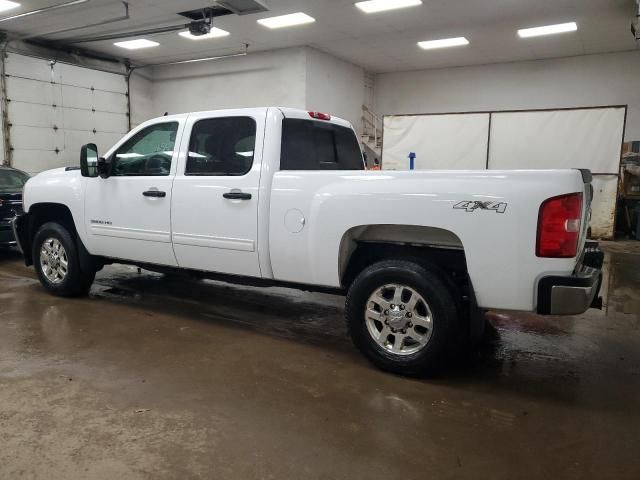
pixel 276 196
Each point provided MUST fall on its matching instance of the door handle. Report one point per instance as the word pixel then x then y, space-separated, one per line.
pixel 237 196
pixel 154 194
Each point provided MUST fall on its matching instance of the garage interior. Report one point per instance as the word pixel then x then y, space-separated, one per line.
pixel 165 376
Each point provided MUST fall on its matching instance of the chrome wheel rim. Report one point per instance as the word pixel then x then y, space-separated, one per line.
pixel 53 261
pixel 399 319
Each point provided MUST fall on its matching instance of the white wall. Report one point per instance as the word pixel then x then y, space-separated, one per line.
pixel 609 79
pixel 334 86
pixel 275 78
pixel 294 77
pixel 141 95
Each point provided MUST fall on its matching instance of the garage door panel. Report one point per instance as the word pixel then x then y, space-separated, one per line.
pixel 74 139
pixel 34 115
pixel 87 78
pixel 37 161
pixel 32 91
pixel 78 119
pixel 110 102
pixel 28 67
pixel 111 122
pixel 74 97
pixel 34 138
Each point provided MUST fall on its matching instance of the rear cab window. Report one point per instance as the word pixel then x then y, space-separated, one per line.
pixel 318 145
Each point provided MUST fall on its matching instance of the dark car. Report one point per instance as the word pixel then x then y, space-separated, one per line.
pixel 11 183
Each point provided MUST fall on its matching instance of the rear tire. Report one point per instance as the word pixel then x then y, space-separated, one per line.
pixel 403 317
pixel 57 262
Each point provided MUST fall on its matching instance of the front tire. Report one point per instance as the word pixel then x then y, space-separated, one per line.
pixel 403 317
pixel 57 263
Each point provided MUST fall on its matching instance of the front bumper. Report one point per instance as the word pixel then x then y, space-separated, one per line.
pixel 17 227
pixel 574 294
pixel 7 237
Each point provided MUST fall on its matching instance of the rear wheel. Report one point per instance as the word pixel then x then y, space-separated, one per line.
pixel 402 316
pixel 56 260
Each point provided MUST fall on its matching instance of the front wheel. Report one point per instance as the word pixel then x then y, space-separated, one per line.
pixel 56 260
pixel 402 316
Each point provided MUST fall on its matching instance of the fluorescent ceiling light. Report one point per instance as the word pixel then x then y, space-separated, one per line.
pixel 286 20
pixel 548 30
pixel 135 44
pixel 6 5
pixel 373 6
pixel 214 33
pixel 443 43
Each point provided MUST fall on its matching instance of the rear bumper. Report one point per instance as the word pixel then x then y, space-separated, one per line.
pixel 573 294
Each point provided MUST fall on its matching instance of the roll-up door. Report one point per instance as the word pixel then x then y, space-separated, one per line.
pixel 55 108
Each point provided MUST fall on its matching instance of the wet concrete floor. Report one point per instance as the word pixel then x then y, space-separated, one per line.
pixel 171 378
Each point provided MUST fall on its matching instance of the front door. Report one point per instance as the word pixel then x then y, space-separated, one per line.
pixel 128 215
pixel 215 194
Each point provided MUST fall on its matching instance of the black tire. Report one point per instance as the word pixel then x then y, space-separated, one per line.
pixel 77 282
pixel 433 286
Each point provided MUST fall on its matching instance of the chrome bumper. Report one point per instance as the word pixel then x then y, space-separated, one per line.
pixel 574 294
pixel 15 227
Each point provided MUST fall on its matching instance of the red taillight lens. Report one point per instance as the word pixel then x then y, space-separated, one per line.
pixel 320 115
pixel 559 226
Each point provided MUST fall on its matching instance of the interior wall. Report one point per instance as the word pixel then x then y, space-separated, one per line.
pixel 141 96
pixel 334 86
pixel 590 80
pixel 275 78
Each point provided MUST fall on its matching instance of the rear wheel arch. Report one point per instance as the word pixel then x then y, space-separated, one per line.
pixel 437 250
pixel 363 245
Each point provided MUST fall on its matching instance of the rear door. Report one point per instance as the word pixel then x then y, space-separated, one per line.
pixel 214 210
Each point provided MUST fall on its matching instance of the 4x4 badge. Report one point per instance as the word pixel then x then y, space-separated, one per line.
pixel 472 206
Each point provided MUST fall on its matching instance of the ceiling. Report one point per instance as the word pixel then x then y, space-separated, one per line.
pixel 379 42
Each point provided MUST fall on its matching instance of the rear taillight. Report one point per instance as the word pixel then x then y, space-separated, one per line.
pixel 559 226
pixel 320 115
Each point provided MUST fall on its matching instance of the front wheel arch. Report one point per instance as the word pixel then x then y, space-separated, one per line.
pixel 41 213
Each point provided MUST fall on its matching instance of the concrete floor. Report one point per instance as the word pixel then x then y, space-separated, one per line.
pixel 160 378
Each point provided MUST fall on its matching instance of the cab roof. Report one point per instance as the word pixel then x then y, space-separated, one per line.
pixel 286 111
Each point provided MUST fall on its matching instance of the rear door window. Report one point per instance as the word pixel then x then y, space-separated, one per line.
pixel 221 147
pixel 313 145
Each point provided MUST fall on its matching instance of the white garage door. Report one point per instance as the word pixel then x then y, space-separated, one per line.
pixel 568 138
pixel 54 108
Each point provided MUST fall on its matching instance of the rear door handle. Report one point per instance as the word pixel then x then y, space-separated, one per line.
pixel 154 194
pixel 237 196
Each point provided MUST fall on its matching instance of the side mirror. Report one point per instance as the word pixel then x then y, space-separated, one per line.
pixel 89 160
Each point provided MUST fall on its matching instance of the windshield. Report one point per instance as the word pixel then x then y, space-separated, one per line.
pixel 12 181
